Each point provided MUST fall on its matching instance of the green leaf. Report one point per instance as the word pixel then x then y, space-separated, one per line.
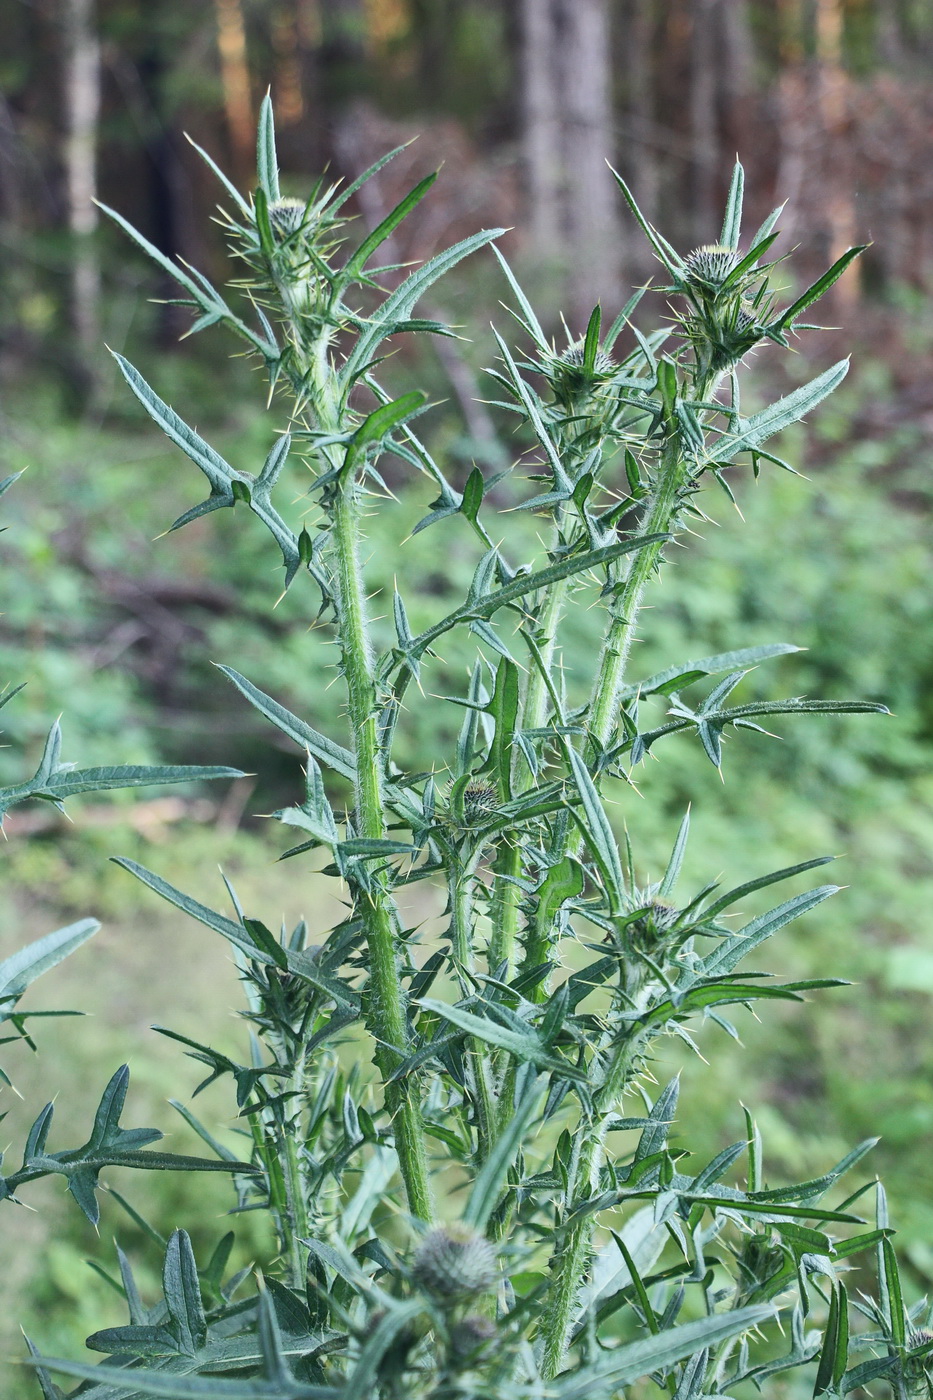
pixel 661 1118
pixel 591 340
pixel 761 883
pixel 267 165
pixel 678 677
pixel 183 1292
pixel 531 406
pixel 109 1145
pixel 669 258
pixel 528 312
pixel 233 932
pixel 667 385
pixel 24 966
pixel 729 954
pixel 640 1291
pixel 473 495
pixel 228 185
pixel 380 422
pixel 368 846
pixel 503 707
pixel 814 292
pixel 629 1362
pixel 751 432
pixel 227 485
pixel 266 942
pixel 70 784
pixel 669 880
pixel 5 485
pixel 379 234
pixel 174 1387
pixel 322 748
pixel 527 1048
pixel 201 291
pixel 490 603
pixel 487 1187
pixel 467 739
pixel 732 222
pixel 398 307
pixel 835 1352
pixel 50 1391
pixel 53 781
pixel 594 825
pixel 367 174
pixel 892 1287
pixel 844 1249
pixel 564 881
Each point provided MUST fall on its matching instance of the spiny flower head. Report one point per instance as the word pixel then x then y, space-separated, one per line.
pixel 569 375
pixel 916 1368
pixel 710 265
pixel 653 925
pixel 454 1262
pixel 287 216
pixel 480 800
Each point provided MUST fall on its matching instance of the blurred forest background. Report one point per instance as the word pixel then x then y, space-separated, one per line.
pixel 829 103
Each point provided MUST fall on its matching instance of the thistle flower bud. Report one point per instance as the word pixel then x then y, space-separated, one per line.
pixel 480 800
pixel 574 357
pixel 710 265
pixel 454 1262
pixel 568 376
pixel 286 217
pixel 761 1258
pixel 658 919
pixel 916 1368
pixel 470 1337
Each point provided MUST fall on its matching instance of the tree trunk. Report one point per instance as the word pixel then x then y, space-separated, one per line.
pixel 234 77
pixel 567 124
pixel 591 224
pixel 287 81
pixel 640 122
pixel 704 52
pixel 832 104
pixel 82 109
pixel 794 120
pixel 540 125
pixel 890 38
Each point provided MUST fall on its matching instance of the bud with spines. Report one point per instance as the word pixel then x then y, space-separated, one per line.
pixel 454 1263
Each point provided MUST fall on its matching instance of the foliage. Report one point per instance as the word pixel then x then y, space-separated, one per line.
pixel 515 1049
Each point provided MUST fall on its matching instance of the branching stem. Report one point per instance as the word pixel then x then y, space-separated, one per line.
pixel 386 1004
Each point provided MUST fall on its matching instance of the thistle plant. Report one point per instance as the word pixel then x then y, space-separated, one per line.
pixel 472 1177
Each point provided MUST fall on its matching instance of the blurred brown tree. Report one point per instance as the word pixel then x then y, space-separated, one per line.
pixel 829 102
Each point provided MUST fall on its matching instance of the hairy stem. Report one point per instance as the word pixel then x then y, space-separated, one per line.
pixel 570 1263
pixel 460 883
pixel 604 702
pixel 506 900
pixel 296 1215
pixel 386 1003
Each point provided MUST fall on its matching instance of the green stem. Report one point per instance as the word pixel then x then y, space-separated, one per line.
pixel 534 714
pixel 386 1003
pixel 506 901
pixel 460 901
pixel 460 881
pixel 536 694
pixel 604 702
pixel 617 645
pixel 298 1221
pixel 571 1262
